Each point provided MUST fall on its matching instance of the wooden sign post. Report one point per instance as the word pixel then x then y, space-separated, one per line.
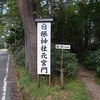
pixel 43 47
pixel 60 46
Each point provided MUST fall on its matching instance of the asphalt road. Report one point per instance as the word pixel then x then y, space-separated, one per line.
pixel 5 93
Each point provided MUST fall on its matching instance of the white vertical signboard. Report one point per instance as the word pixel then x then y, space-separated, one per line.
pixel 43 47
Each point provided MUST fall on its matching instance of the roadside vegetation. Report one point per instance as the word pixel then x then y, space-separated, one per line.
pixel 73 88
pixel 92 61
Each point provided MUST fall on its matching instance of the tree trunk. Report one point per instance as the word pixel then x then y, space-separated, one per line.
pixel 85 1
pixel 25 9
pixel 26 55
pixel 86 41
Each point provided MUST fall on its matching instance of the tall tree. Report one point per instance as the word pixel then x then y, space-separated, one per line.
pixel 96 20
pixel 26 11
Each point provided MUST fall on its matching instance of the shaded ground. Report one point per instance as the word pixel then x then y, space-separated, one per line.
pixel 89 81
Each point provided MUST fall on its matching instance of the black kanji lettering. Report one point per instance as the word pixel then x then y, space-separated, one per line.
pixel 44 26
pixel 44 41
pixel 44 55
pixel 44 68
pixel 43 33
pixel 44 48
pixel 43 62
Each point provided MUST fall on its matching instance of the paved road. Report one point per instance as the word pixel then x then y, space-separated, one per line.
pixel 4 70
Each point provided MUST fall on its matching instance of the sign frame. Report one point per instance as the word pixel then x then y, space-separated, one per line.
pixel 44 46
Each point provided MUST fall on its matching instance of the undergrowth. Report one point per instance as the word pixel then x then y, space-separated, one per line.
pixel 73 88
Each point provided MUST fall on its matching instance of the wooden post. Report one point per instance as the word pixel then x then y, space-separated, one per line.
pixel 49 80
pixel 61 70
pixel 61 46
pixel 38 79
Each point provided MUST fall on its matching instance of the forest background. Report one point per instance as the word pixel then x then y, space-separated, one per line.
pixel 75 22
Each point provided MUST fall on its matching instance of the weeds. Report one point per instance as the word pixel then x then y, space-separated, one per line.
pixel 73 88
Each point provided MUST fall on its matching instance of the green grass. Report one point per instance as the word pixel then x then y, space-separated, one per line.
pixel 73 88
pixel 76 90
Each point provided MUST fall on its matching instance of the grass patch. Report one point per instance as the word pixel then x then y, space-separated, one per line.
pixel 76 90
pixel 73 88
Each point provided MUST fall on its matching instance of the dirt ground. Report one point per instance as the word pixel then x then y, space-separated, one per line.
pixel 89 81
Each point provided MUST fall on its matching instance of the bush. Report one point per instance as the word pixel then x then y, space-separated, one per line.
pixel 69 62
pixel 92 61
pixel 20 58
pixel 18 52
pixel 98 72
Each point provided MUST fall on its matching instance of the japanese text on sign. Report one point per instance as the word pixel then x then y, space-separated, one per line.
pixel 43 47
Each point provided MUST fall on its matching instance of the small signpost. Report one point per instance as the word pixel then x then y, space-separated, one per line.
pixel 61 46
pixel 44 46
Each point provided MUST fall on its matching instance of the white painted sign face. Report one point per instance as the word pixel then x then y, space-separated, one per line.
pixel 43 47
pixel 60 46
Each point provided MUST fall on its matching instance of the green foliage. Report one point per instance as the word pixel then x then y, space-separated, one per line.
pixel 98 72
pixel 12 11
pixel 69 62
pixel 16 34
pixel 18 52
pixel 74 85
pixel 68 28
pixel 92 61
pixel 73 89
pixel 10 39
pixel 73 21
pixel 20 58
pixel 77 24
pixel 1 45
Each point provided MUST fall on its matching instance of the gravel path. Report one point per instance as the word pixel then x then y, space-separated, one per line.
pixel 89 81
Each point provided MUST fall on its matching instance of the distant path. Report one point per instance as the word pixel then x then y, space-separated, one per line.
pixel 89 81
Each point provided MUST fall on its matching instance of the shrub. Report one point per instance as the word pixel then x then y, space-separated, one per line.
pixel 17 50
pixel 89 60
pixel 69 62
pixel 92 61
pixel 20 57
pixel 98 72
